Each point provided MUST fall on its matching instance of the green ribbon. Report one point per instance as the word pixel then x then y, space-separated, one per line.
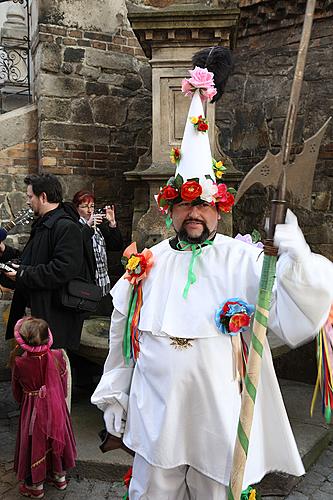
pixel 328 411
pixel 127 336
pixel 168 221
pixel 196 249
pixel 246 493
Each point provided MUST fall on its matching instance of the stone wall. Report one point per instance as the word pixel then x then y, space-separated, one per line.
pixel 94 107
pixel 251 115
pixel 16 161
pixel 18 158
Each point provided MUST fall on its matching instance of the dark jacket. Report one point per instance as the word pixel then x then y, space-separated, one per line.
pixel 52 257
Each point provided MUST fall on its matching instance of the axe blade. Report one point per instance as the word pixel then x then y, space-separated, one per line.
pixel 299 173
pixel 266 172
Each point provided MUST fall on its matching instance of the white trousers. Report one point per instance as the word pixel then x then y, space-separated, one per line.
pixel 180 483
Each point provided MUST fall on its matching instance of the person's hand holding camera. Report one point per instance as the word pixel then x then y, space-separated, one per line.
pixel 110 215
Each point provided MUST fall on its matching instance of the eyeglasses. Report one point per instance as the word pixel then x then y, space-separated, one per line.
pixel 87 206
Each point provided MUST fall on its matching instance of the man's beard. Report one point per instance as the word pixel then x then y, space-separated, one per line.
pixel 184 236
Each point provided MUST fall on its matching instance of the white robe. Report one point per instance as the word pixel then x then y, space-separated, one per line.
pixel 183 404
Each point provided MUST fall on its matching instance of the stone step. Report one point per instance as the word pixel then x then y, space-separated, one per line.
pixel 312 436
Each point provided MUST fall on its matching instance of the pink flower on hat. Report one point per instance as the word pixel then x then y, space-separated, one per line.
pixel 209 190
pixel 201 79
pixel 187 88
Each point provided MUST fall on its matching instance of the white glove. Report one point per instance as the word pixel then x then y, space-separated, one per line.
pixel 115 419
pixel 289 238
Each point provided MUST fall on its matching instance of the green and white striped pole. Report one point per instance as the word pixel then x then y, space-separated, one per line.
pixel 259 327
pixel 258 336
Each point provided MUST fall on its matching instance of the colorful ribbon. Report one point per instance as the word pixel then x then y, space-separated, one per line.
pixel 131 346
pixel 324 382
pixel 196 249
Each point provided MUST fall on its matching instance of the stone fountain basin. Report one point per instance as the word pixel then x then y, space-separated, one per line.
pixel 94 344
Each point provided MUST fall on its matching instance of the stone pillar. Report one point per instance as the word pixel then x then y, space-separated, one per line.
pixel 169 38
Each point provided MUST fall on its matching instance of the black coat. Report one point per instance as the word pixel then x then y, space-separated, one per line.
pixel 52 257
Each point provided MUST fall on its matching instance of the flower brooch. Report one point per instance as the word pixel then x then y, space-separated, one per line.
pixel 233 316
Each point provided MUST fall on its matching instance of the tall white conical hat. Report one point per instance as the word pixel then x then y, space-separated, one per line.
pixel 195 179
pixel 196 157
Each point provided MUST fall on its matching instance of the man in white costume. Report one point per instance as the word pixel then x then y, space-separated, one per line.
pixel 177 406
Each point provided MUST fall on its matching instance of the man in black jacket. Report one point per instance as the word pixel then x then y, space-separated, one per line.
pixel 52 256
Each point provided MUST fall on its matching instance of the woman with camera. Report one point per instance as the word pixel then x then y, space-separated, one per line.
pixel 100 234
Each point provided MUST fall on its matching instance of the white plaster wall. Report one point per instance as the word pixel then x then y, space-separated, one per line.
pixel 95 15
pixel 3 12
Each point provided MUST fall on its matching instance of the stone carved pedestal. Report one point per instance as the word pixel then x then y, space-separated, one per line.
pixel 169 38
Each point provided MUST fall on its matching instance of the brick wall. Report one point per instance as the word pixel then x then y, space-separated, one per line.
pixel 94 105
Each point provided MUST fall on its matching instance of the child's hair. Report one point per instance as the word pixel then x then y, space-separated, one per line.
pixel 35 331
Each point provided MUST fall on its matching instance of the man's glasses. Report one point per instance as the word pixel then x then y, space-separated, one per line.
pixel 87 206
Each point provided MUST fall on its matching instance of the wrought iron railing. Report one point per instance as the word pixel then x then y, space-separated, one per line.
pixel 15 74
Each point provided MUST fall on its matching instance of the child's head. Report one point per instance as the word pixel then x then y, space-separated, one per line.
pixel 34 331
pixel 32 335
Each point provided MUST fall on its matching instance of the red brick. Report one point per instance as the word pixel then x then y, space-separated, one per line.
pixel 16 153
pixel 57 30
pixel 60 170
pixel 97 156
pixel 21 162
pixel 74 163
pixel 114 47
pixel 99 45
pixel 31 145
pixel 79 155
pixel 94 35
pixel 87 163
pixel 132 42
pixel 120 40
pixel 48 161
pixel 56 153
pixel 78 147
pixel 69 41
pixel 100 164
pixel 101 148
pixel 95 171
pixel 75 33
pixel 128 50
pixel 84 43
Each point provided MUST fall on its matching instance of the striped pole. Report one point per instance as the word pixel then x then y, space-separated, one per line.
pixel 258 335
pixel 259 327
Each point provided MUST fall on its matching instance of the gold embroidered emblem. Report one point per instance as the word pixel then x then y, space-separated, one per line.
pixel 180 343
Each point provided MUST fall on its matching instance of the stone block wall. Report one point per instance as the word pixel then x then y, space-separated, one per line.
pixel 15 163
pixel 252 112
pixel 94 107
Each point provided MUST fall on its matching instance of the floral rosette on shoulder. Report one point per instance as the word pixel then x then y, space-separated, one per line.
pixel 137 266
pixel 233 318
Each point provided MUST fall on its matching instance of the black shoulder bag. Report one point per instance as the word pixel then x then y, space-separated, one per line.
pixel 81 295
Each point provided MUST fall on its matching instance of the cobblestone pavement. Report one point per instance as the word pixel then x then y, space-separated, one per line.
pixel 317 484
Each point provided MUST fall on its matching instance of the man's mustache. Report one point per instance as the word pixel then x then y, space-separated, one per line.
pixel 193 220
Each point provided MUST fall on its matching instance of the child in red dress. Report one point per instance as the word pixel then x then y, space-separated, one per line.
pixel 45 446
